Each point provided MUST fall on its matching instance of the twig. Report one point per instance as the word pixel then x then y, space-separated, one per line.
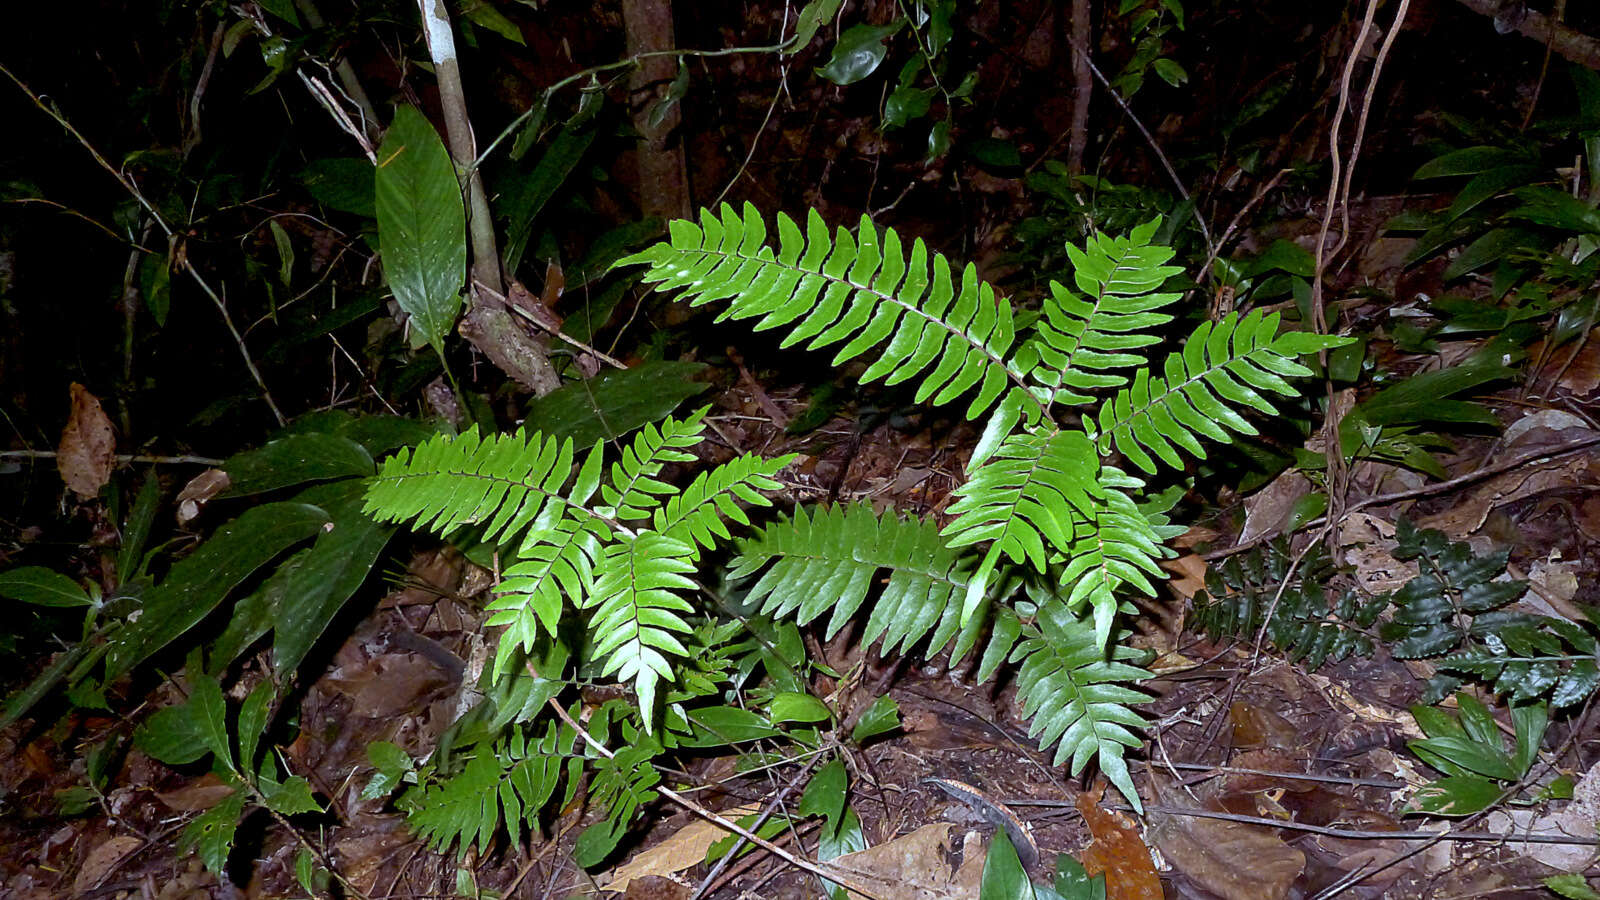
pixel 820 871
pixel 766 813
pixel 138 195
pixel 121 458
pixel 1353 834
pixel 1542 455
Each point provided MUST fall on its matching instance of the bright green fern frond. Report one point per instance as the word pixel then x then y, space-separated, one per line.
pixel 503 480
pixel 1228 362
pixel 634 490
pixel 1118 546
pixel 948 330
pixel 1028 500
pixel 1074 697
pixel 1079 339
pixel 636 611
pixel 557 559
pixel 830 559
pixel 695 516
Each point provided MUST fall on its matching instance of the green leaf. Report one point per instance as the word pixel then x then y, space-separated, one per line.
pixel 1468 754
pixel 719 726
pixel 881 717
pixel 1074 883
pixel 253 722
pixel 615 402
pixel 327 576
pixel 1004 878
pixel 1424 397
pixel 172 736
pixel 346 184
pixel 1170 71
pixel 483 15
pixel 793 706
pixel 826 792
pixel 1470 161
pixel 42 587
pixel 211 833
pixel 421 225
pixel 199 582
pixel 522 197
pixel 1457 795
pixel 295 459
pixel 813 16
pixel 1572 886
pixel 291 798
pixel 859 52
pixel 210 714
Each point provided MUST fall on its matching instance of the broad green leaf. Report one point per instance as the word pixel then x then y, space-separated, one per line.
pixel 421 225
pixel 199 582
pixel 1004 878
pixel 793 706
pixel 812 16
pixel 211 833
pixel 42 587
pixel 1074 883
pixel 719 726
pixel 825 793
pixel 1424 397
pixel 376 434
pixel 1470 161
pixel 859 52
pixel 1468 755
pixel 295 459
pixel 1457 795
pixel 1492 247
pixel 882 716
pixel 291 798
pixel 328 574
pixel 615 402
pixel 172 736
pixel 1572 886
pixel 483 15
pixel 521 196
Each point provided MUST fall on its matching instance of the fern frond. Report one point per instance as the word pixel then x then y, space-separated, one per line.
pixel 1527 656
pixel 1118 546
pixel 636 611
pixel 829 559
pixel 634 490
pixel 696 516
pixel 1073 696
pixel 504 480
pixel 1027 500
pixel 949 331
pixel 1232 360
pixel 1079 339
pixel 556 559
pixel 506 784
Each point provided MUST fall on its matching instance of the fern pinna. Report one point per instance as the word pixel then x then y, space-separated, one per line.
pixel 1046 535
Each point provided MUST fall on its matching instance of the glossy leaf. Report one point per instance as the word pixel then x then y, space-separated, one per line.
pixel 42 587
pixel 421 225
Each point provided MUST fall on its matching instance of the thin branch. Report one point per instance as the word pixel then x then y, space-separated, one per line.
pixel 121 458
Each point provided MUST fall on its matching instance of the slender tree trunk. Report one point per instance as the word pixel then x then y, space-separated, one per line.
pixel 663 176
pixel 487 324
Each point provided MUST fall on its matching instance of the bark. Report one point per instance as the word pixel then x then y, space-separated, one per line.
pixel 663 176
pixel 488 325
pixel 1082 83
pixel 1565 42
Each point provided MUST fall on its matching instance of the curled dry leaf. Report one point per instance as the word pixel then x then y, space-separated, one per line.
pixel 199 491
pixel 88 445
pixel 684 849
pixel 1233 860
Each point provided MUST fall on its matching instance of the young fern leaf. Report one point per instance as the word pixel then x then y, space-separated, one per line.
pixel 1034 493
pixel 695 516
pixel 829 559
pixel 508 783
pixel 950 336
pixel 1079 339
pixel 503 480
pixel 555 560
pixel 636 611
pixel 1118 547
pixel 1073 696
pixel 634 490
pixel 1233 359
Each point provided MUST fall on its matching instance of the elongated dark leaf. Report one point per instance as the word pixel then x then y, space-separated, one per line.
pixel 200 582
pixel 421 224
pixel 614 402
pixel 295 459
pixel 41 587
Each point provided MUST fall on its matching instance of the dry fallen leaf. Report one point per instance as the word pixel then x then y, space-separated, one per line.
pixel 1233 860
pixel 101 860
pixel 684 849
pixel 1118 853
pixel 88 445
pixel 917 866
pixel 198 492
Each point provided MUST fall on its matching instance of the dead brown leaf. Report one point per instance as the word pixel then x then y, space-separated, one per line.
pixel 684 849
pixel 1233 860
pixel 1118 853
pixel 88 445
pixel 102 860
pixel 198 492
pixel 917 866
